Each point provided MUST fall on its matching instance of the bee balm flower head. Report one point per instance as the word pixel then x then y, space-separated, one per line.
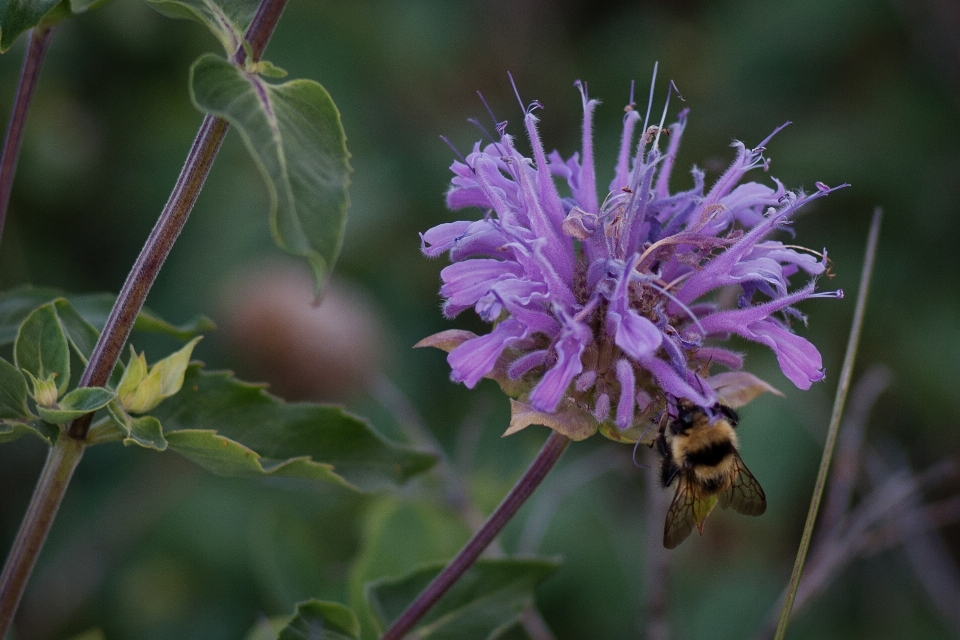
pixel 607 310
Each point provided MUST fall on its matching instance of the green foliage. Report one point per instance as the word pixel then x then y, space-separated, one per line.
pixel 226 19
pixel 226 426
pixel 41 348
pixel 81 334
pixel 145 431
pixel 13 393
pixel 316 620
pixel 83 316
pixel 486 601
pixel 294 134
pixel 17 16
pixel 10 431
pixel 235 428
pixel 78 402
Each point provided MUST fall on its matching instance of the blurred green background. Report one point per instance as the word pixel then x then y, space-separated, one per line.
pixel 146 546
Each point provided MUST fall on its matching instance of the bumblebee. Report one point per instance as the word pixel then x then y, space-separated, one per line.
pixel 699 454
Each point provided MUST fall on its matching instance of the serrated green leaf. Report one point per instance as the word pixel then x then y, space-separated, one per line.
pixel 10 431
pixel 317 620
pixel 79 402
pixel 17 16
pixel 294 134
pixel 487 600
pixel 226 19
pixel 227 457
pixel 13 393
pixel 236 428
pixel 41 347
pixel 93 308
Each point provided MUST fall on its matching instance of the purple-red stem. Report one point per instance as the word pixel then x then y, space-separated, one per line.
pixel 552 449
pixel 66 453
pixel 32 62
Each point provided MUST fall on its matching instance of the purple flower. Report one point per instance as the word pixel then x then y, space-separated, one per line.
pixel 607 310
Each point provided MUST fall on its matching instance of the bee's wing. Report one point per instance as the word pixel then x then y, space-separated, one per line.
pixel 681 517
pixel 745 494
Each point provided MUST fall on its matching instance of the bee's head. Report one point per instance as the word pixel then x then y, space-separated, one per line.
pixel 689 415
pixel 686 417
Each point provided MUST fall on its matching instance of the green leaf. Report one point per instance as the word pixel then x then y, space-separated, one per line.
pixel 398 537
pixel 10 431
pixel 145 431
pixel 17 16
pixel 13 393
pixel 226 19
pixel 81 334
pixel 41 347
pixel 78 402
pixel 16 305
pixel 294 133
pixel 487 600
pixel 96 307
pixel 93 308
pixel 316 620
pixel 148 322
pixel 235 428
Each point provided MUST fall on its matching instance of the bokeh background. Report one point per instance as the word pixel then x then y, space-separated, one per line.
pixel 147 546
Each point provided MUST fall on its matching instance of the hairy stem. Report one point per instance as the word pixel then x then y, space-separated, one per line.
pixel 61 461
pixel 155 251
pixel 66 454
pixel 554 447
pixel 846 372
pixel 32 62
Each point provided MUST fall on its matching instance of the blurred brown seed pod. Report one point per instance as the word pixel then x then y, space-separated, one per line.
pixel 304 351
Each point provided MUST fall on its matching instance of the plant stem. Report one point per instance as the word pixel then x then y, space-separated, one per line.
pixel 155 251
pixel 552 449
pixel 846 373
pixel 61 461
pixel 32 62
pixel 168 227
pixel 65 455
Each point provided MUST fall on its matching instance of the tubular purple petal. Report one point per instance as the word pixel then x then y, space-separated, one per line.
pixel 475 358
pixel 627 392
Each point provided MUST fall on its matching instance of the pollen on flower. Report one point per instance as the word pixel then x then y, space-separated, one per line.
pixel 607 310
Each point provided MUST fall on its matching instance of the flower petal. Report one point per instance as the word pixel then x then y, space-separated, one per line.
pixel 475 358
